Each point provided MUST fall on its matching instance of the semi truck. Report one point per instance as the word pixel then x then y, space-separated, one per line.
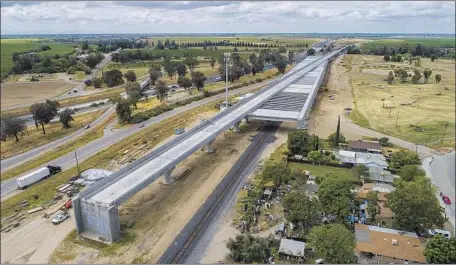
pixel 37 175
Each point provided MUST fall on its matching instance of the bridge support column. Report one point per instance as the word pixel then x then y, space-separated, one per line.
pixel 236 127
pixel 208 147
pixel 246 120
pixel 167 178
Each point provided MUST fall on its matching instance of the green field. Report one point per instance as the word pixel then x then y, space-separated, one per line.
pixel 9 46
pixel 431 42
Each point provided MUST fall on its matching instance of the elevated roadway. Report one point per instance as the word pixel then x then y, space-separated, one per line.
pixel 96 211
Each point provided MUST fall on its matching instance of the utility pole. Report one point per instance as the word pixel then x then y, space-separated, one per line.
pixel 389 115
pixel 397 117
pixel 77 162
pixel 226 57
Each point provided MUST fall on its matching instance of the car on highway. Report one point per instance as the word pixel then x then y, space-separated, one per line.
pixel 446 200
pixel 87 126
pixel 142 125
pixel 60 218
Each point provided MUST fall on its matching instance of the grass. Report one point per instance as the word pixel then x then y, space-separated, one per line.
pixel 36 138
pixel 424 105
pixel 9 46
pixel 322 171
pixel 90 136
pixel 151 135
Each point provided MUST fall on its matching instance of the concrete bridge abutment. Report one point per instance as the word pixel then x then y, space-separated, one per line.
pixel 167 178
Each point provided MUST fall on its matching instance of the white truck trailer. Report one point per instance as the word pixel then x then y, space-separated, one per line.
pixel 33 177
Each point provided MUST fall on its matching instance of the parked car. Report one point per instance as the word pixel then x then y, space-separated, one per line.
pixel 87 126
pixel 446 200
pixel 60 218
pixel 142 125
pixel 433 232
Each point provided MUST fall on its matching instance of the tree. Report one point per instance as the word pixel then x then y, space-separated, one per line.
pixel 440 250
pixel 280 63
pixel 311 51
pixel 301 210
pixel 433 58
pixel 335 196
pixel 301 143
pixel 12 126
pixel 85 45
pixel 427 73
pixel 276 173
pixel 384 141
pixel 162 90
pixel 403 74
pixel 373 207
pixel 130 76
pixel 386 58
pixel 213 62
pixel 155 67
pixel 154 76
pixel 66 117
pixel 315 156
pixel 332 139
pixel 123 110
pixel 438 78
pixel 134 98
pixel 191 62
pixel 97 82
pixel 181 69
pixel 290 57
pixel 405 157
pixel 33 110
pixel 248 249
pixel 411 172
pixel 184 82
pixel 360 171
pixel 170 67
pixel 198 79
pixel 113 78
pixel 45 112
pixel 416 76
pixel 334 243
pixel 415 206
pixel 390 78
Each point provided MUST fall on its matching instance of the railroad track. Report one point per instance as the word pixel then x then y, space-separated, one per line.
pixel 177 251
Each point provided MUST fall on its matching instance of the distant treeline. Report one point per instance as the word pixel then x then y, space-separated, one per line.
pixel 406 48
pixel 154 54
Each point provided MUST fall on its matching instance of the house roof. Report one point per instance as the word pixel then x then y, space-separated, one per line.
pixel 364 145
pixel 379 174
pixel 292 247
pixel 378 240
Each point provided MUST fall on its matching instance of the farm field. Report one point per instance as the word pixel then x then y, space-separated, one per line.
pixel 36 138
pixel 30 92
pixel 431 42
pixel 9 46
pixel 422 110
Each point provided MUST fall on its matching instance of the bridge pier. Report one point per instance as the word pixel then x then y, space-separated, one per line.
pixel 236 127
pixel 246 120
pixel 167 178
pixel 208 147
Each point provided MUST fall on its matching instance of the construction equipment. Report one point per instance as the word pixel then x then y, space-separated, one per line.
pixel 64 207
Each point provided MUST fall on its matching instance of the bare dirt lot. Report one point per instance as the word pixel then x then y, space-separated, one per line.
pixel 158 213
pixel 29 92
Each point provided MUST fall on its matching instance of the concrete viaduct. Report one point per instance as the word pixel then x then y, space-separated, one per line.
pixel 96 208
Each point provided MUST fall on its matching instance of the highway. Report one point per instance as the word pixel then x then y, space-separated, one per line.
pixel 8 187
pixel 190 244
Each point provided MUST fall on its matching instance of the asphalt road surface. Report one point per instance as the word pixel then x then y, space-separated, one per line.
pixel 8 187
pixel 441 170
pixel 19 159
pixel 190 244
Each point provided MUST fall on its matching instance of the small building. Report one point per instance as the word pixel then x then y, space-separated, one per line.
pixel 292 248
pixel 383 189
pixel 378 174
pixel 381 245
pixel 365 147
pixel 360 158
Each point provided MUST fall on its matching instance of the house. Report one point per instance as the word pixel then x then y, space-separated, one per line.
pixel 381 245
pixel 365 147
pixel 380 175
pixel 292 248
pixel 360 158
pixel 383 189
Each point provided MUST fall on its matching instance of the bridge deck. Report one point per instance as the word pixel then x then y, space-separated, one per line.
pixel 127 184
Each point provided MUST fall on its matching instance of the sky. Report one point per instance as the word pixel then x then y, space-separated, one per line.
pixel 97 17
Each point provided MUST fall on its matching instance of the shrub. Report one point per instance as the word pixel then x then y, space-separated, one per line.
pixel 259 80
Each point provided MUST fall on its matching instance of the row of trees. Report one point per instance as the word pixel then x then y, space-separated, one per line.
pixel 403 75
pixel 42 114
pixel 415 50
pixel 37 63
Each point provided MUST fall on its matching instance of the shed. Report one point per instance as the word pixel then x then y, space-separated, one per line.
pixel 366 147
pixel 292 248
